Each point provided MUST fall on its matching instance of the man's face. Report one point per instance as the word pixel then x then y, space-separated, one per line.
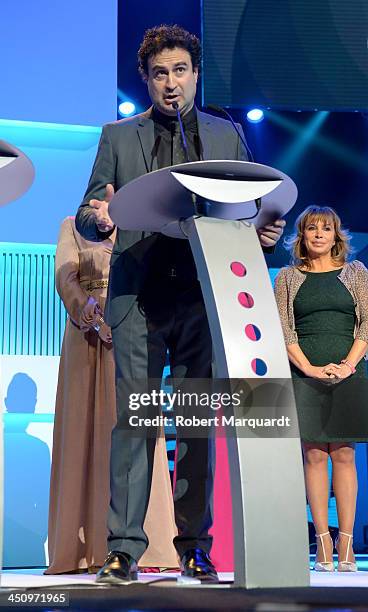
pixel 171 78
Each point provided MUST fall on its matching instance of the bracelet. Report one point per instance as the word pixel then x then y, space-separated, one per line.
pixel 350 365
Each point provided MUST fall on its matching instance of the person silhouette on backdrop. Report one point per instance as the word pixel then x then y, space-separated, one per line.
pixel 26 475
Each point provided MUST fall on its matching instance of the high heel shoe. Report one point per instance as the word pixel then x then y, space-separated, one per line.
pixel 346 566
pixel 324 566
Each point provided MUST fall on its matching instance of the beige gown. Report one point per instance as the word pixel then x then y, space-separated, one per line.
pixel 84 417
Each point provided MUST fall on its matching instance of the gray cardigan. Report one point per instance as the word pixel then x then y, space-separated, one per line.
pixel 354 276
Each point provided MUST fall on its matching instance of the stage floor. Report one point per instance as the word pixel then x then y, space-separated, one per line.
pixel 34 578
pixel 158 592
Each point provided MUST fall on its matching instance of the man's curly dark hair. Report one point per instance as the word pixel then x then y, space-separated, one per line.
pixel 167 37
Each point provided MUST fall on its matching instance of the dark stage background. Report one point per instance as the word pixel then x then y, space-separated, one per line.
pixel 325 152
pixel 289 54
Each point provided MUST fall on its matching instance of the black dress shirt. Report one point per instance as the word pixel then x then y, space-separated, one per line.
pixel 172 261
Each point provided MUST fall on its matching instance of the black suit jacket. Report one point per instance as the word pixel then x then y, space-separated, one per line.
pixel 125 152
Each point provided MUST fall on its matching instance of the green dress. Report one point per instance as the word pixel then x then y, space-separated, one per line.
pixel 324 320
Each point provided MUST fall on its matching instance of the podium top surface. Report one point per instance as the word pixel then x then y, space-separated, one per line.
pixel 158 200
pixel 16 173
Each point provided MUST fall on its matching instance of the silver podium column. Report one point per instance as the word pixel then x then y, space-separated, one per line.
pixel 267 481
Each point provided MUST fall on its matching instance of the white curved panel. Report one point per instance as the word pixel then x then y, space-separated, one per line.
pixel 226 191
pixel 4 161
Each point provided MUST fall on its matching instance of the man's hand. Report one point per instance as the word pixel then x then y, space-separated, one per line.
pixel 270 234
pixel 101 208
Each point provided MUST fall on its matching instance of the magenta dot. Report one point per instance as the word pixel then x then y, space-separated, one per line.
pixel 238 268
pixel 245 299
pixel 259 367
pixel 252 332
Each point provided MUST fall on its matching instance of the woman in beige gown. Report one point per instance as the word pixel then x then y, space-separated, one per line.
pixel 84 417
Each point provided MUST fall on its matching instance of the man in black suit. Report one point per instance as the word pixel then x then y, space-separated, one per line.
pixel 155 302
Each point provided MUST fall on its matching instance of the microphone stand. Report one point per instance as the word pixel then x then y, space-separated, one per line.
pixel 221 110
pixel 175 106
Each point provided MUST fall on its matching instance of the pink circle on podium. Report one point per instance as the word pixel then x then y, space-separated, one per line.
pixel 252 332
pixel 238 268
pixel 245 299
pixel 259 367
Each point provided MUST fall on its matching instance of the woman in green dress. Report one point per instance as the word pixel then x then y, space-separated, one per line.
pixel 323 304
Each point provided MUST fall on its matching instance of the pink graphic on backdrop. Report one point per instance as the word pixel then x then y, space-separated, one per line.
pixel 222 552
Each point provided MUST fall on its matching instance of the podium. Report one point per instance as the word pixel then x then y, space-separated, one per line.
pixel 16 173
pixel 217 206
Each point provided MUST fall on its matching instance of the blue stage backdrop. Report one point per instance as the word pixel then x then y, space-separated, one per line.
pixel 58 61
pixel 58 86
pixel 62 155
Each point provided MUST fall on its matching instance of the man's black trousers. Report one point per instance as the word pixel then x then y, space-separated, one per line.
pixel 168 317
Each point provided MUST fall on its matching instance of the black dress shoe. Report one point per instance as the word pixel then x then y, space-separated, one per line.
pixel 119 567
pixel 195 563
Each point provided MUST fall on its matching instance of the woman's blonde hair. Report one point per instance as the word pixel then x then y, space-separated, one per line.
pixel 295 243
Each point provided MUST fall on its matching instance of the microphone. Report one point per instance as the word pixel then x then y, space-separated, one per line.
pixel 175 106
pixel 222 111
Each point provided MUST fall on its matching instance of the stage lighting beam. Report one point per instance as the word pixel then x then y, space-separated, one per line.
pixel 324 143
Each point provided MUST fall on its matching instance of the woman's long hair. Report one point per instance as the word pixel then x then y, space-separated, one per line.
pixel 295 243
